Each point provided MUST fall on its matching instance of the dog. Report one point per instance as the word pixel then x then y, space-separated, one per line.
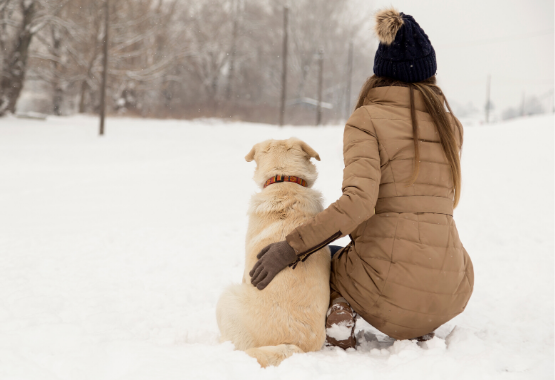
pixel 289 315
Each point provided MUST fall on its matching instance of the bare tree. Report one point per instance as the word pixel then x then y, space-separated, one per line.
pixel 25 18
pixel 237 6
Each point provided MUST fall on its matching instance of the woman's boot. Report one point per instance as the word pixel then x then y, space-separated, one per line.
pixel 340 323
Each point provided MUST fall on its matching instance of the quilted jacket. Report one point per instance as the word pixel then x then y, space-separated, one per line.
pixel 405 271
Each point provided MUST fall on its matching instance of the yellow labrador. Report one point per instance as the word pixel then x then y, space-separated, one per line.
pixel 288 316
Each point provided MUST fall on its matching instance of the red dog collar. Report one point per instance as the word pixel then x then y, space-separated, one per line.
pixel 285 178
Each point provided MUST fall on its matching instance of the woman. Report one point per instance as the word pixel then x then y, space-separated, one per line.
pixel 405 270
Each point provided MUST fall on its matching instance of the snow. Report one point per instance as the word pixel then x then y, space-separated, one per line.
pixel 340 331
pixel 114 250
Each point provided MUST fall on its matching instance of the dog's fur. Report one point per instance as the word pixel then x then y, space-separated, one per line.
pixel 388 23
pixel 288 316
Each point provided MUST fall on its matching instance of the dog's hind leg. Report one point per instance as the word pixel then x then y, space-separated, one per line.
pixel 232 317
pixel 273 355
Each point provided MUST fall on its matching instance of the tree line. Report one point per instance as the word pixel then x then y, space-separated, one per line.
pixel 186 58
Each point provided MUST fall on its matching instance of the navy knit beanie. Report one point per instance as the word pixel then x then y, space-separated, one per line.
pixel 405 52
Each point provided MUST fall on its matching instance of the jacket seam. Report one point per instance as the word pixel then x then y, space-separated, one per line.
pixel 408 262
pixel 412 241
pixel 416 212
pixel 356 281
pixel 392 175
pixel 396 106
pixel 421 312
pixel 449 233
pixel 405 119
pixel 373 133
pixel 357 176
pixel 356 158
pixel 419 183
pixel 468 280
pixel 370 116
pixel 418 227
pixel 352 143
pixel 450 316
pixel 410 159
pixel 410 139
pixel 380 146
pixel 388 270
pixel 427 291
pixel 410 196
pixel 363 130
pixel 421 221
pixel 406 327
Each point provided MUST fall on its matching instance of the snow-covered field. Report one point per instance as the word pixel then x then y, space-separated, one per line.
pixel 114 250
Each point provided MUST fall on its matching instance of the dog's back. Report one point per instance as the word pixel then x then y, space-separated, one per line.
pixel 288 316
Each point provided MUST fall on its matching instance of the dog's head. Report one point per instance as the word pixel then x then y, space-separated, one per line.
pixel 287 157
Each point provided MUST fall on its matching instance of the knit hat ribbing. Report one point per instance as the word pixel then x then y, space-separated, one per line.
pixel 405 51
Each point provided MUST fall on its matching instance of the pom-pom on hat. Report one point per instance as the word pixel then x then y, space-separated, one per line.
pixel 405 51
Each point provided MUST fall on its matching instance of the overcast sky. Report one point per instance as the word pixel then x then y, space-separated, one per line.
pixel 510 39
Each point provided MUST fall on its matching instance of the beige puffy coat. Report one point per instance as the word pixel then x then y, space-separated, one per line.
pixel 405 271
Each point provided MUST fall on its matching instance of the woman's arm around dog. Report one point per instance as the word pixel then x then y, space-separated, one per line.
pixel 361 179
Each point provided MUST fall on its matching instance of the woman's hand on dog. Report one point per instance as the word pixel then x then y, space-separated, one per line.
pixel 272 259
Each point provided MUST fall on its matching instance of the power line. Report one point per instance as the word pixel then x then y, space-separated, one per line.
pixel 499 39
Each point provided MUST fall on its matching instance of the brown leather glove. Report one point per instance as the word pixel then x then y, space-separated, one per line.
pixel 272 259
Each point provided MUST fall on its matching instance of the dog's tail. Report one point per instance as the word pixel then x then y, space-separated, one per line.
pixel 273 355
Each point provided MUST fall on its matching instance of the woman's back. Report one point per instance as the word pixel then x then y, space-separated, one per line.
pixel 406 272
pixel 388 108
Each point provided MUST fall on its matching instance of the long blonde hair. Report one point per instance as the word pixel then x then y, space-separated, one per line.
pixel 434 101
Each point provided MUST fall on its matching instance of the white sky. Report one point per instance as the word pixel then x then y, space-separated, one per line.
pixel 459 32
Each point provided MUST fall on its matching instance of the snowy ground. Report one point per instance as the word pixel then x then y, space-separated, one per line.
pixel 114 250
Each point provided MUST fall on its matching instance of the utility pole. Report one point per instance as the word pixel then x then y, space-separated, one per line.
pixel 488 102
pixel 105 67
pixel 522 105
pixel 320 80
pixel 284 72
pixel 235 26
pixel 349 80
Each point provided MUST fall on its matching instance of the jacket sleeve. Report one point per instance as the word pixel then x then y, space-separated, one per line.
pixel 361 179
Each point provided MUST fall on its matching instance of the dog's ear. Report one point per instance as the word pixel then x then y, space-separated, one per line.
pixel 249 157
pixel 308 150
